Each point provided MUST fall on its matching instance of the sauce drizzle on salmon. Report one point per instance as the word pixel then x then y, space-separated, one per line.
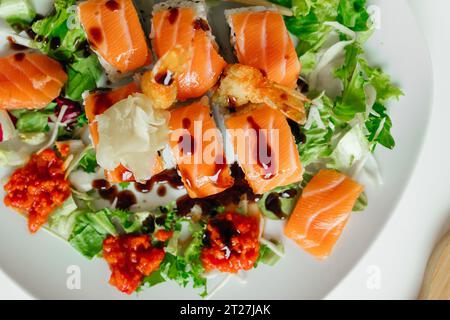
pixel 265 162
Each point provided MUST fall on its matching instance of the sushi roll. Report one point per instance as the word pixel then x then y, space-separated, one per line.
pixel 197 147
pixel 184 24
pixel 265 147
pixel 29 81
pixel 115 34
pixel 261 40
pixel 97 103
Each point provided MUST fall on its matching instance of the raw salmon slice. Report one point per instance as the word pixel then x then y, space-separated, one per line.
pixel 115 33
pixel 197 147
pixel 322 212
pixel 29 81
pixel 180 23
pixel 265 148
pixel 98 102
pixel 261 40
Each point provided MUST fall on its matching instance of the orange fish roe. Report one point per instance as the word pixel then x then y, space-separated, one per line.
pixel 63 149
pixel 231 243
pixel 38 188
pixel 130 258
pixel 163 235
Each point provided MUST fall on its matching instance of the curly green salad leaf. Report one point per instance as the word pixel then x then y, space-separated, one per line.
pixel 365 90
pixel 88 162
pixel 353 14
pixel 60 32
pixel 61 37
pixel 342 127
pixel 182 262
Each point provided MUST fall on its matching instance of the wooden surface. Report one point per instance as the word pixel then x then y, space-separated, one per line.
pixel 436 283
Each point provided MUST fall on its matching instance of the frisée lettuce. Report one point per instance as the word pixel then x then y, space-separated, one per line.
pixel 342 126
pixel 61 37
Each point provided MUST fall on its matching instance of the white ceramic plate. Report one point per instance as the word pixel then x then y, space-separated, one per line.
pixel 40 263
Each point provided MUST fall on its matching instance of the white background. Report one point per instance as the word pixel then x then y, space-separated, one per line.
pixel 400 254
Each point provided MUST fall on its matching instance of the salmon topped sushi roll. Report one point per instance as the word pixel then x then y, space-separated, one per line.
pixel 115 33
pixel 29 81
pixel 261 40
pixel 197 147
pixel 184 24
pixel 265 147
pixel 98 102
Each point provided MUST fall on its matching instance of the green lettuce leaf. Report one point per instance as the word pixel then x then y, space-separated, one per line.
pixel 353 14
pixel 352 147
pixel 308 25
pixel 184 268
pixel 286 203
pixel 60 35
pixel 385 89
pixel 91 228
pixel 379 127
pixel 33 120
pixel 361 203
pixel 83 75
pixel 353 98
pixel 89 161
pixel 267 256
pixel 63 219
pixel 317 145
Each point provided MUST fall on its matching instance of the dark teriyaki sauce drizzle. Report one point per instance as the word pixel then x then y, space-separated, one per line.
pixel 299 136
pixel 102 102
pixel 229 196
pixel 125 198
pixel 169 176
pixel 267 164
pixel 201 24
pixel 96 35
pixel 173 15
pixel 273 204
pixel 19 56
pixel 112 5
pixel 161 77
pixel 161 191
pixel 273 201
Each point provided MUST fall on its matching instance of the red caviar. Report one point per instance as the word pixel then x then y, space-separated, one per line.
pixel 163 235
pixel 63 149
pixel 231 243
pixel 130 258
pixel 38 188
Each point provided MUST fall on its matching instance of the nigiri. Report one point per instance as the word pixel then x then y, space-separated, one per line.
pixel 197 147
pixel 29 81
pixel 265 147
pixel 261 40
pixel 184 23
pixel 98 102
pixel 322 212
pixel 115 33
